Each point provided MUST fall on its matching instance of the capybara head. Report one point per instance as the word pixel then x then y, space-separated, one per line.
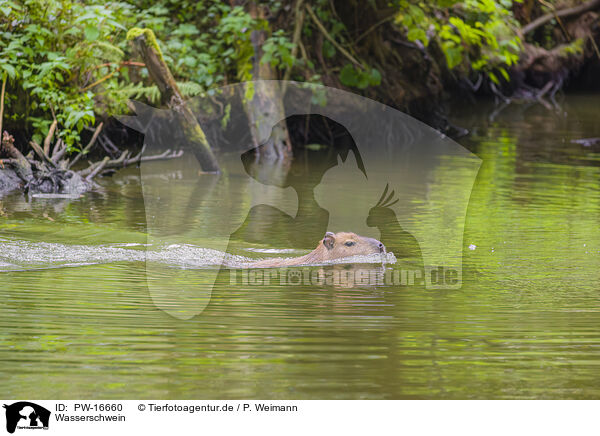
pixel 332 246
pixel 346 244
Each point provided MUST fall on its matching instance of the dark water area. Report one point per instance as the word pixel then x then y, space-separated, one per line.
pixel 78 317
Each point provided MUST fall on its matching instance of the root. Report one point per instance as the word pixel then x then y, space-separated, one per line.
pixel 53 174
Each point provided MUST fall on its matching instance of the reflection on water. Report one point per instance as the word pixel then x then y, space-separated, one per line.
pixel 523 325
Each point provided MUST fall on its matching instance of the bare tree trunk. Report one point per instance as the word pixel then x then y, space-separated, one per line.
pixel 145 42
pixel 265 108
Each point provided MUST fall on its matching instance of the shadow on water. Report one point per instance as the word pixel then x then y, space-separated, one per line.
pixel 310 223
pixel 265 223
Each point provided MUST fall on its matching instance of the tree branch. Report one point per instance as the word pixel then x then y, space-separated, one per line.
pixel 43 156
pixel 122 162
pixel 59 151
pixel 49 136
pixel 373 27
pixel 299 18
pixel 97 169
pixel 575 10
pixel 326 34
pixel 87 147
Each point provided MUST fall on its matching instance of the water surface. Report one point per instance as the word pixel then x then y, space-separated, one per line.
pixel 77 319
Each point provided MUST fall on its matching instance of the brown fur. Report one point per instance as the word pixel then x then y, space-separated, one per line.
pixel 331 247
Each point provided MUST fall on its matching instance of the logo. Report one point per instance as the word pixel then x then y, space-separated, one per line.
pixel 26 415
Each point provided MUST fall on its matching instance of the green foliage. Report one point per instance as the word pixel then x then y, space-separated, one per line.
pixel 476 34
pixel 277 51
pixel 48 48
pixel 359 78
pixel 70 59
pixel 204 41
pixel 138 91
pixel 575 48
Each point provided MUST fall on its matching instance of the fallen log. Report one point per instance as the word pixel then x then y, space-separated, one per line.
pixel 53 178
pixel 145 42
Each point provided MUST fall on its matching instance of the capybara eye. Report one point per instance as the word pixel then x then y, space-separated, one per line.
pixel 349 243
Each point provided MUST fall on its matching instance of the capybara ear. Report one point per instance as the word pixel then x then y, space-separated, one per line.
pixel 329 240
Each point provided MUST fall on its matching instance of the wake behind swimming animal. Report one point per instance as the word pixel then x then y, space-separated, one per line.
pixel 332 247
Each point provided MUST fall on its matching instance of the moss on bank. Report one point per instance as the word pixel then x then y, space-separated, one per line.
pixel 150 38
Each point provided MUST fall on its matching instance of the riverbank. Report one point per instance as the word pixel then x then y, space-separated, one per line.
pixel 420 59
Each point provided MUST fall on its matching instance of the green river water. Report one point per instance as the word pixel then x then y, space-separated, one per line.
pixel 524 324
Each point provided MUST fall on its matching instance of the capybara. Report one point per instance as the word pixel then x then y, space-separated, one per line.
pixel 331 247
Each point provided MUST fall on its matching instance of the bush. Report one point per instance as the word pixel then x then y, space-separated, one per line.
pixel 70 60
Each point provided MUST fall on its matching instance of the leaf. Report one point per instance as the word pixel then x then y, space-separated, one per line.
pixel 117 25
pixel 375 77
pixel 10 70
pixel 266 58
pixel 328 49
pixel 91 33
pixel 453 55
pixel 417 13
pixel 478 64
pixel 186 29
pixel 416 34
pixel 363 80
pixel 348 76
